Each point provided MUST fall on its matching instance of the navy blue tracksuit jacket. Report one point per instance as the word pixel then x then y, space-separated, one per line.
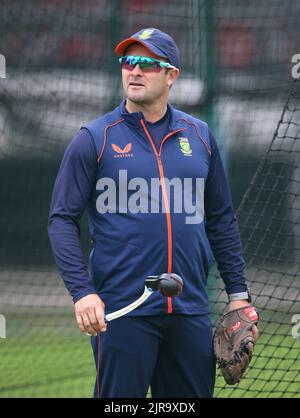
pixel 110 168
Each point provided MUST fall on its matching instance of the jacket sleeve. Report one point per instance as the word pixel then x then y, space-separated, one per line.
pixel 221 225
pixel 72 189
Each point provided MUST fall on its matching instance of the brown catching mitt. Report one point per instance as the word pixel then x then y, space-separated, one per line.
pixel 234 342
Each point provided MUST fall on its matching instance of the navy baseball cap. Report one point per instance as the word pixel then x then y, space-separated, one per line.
pixel 156 41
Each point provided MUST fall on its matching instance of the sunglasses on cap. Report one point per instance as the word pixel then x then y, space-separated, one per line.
pixel 146 64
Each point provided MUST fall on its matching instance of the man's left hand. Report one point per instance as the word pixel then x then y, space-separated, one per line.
pixel 234 340
pixel 240 304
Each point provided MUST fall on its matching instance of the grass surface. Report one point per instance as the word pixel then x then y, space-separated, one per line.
pixel 39 360
pixel 46 367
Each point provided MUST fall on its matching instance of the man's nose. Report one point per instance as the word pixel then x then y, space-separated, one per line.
pixel 137 70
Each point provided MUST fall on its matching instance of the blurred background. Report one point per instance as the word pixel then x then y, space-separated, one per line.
pixel 61 71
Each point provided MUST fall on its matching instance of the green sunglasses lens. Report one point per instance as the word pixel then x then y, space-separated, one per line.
pixel 145 63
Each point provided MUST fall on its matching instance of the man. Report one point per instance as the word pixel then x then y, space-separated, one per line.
pixel 113 167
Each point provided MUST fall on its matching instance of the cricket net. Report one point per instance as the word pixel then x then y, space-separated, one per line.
pixel 269 217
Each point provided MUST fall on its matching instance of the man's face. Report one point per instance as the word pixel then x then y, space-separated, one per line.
pixel 146 88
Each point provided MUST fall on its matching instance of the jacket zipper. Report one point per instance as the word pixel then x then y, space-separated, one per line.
pixel 165 197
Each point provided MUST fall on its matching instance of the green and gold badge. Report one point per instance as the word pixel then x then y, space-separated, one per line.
pixel 146 33
pixel 185 147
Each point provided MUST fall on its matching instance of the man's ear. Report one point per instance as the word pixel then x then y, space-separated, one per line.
pixel 173 74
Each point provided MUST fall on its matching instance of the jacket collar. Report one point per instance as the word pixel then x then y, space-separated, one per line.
pixel 133 119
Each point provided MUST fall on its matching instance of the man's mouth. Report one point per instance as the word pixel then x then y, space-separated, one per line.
pixel 136 84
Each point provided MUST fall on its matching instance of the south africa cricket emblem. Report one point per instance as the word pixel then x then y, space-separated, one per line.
pixel 146 33
pixel 185 146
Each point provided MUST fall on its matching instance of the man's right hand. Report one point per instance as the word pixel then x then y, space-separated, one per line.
pixel 89 312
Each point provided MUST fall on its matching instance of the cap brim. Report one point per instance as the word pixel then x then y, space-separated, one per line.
pixel 123 45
